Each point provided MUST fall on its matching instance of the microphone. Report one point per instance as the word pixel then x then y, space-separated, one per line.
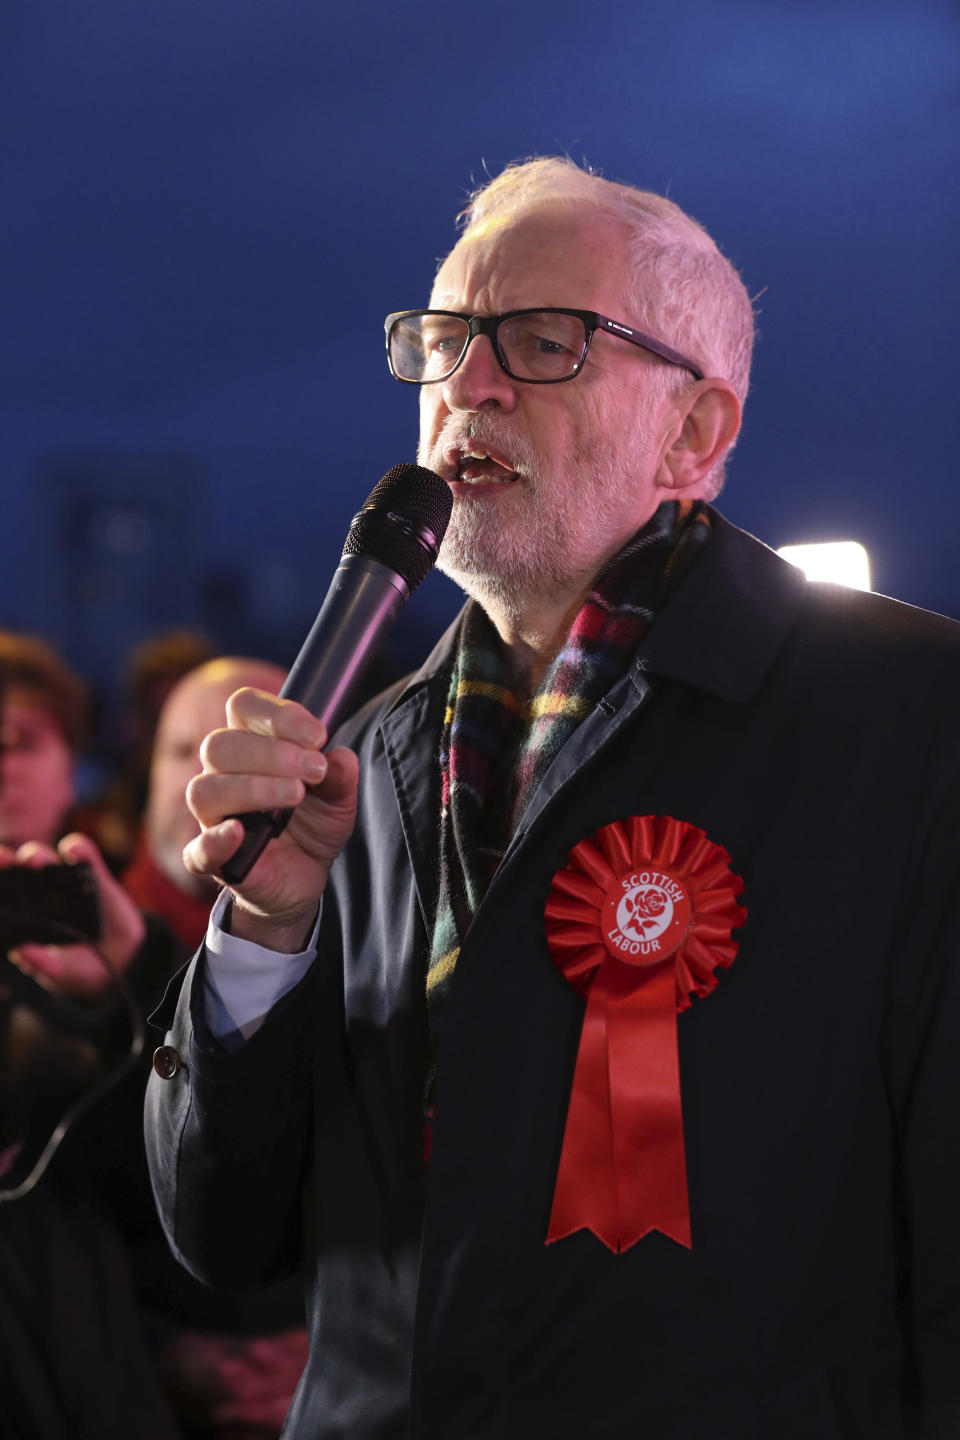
pixel 390 546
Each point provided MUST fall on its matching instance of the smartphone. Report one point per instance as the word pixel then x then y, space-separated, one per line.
pixel 53 905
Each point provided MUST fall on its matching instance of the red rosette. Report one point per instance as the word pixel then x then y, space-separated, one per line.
pixel 638 920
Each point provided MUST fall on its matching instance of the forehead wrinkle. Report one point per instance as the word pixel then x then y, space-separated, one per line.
pixel 475 286
pixel 540 258
pixel 505 271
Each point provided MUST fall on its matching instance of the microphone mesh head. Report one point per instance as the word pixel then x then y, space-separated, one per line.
pixel 403 521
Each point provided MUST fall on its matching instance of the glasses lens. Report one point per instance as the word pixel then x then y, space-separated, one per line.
pixel 539 345
pixel 427 347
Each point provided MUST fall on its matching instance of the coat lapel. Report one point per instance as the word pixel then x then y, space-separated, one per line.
pixel 410 734
pixel 720 632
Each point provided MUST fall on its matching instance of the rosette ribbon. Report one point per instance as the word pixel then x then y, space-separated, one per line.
pixel 638 920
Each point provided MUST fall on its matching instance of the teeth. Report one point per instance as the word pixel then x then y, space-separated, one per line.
pixel 480 457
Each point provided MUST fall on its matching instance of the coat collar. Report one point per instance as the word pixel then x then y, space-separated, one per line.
pixel 720 632
pixel 726 621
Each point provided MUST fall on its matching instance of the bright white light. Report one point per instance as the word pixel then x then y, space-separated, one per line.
pixel 844 561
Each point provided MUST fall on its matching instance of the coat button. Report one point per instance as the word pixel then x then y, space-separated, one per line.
pixel 166 1061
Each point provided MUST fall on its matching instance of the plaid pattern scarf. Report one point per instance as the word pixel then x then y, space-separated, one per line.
pixel 496 746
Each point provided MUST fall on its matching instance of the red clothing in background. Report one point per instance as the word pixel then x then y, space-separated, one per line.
pixel 154 892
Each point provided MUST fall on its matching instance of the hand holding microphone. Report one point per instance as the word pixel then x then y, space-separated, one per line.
pixel 257 772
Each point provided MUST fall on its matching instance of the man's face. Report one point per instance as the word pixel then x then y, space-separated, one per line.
pixel 571 467
pixel 36 772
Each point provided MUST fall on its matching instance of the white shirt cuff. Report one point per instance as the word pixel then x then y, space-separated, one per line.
pixel 243 981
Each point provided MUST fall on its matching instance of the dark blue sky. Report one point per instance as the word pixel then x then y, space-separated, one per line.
pixel 209 205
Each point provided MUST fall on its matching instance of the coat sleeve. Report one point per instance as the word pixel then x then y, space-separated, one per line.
pixel 228 1139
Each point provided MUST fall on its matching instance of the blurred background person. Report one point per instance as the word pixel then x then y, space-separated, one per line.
pixel 74 1357
pixel 227 1361
pixel 151 671
pixel 43 726
pixel 86 1238
pixel 124 739
pixel 157 879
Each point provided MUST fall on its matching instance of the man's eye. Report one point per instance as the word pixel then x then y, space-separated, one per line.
pixel 442 344
pixel 550 347
pixel 534 343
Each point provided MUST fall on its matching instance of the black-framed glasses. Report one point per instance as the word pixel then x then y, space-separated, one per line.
pixel 539 347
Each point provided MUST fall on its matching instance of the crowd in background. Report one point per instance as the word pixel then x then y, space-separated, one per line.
pixel 102 1333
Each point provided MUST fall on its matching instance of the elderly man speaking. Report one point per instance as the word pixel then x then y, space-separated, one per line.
pixel 598 1063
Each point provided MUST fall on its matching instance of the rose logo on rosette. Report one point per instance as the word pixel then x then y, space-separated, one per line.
pixel 638 920
pixel 646 918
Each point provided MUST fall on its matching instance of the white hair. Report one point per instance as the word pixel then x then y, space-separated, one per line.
pixel 684 291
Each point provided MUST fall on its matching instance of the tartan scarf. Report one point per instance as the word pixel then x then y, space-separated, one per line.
pixel 496 746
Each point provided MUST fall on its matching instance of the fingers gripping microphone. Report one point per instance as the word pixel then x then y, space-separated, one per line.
pixel 389 548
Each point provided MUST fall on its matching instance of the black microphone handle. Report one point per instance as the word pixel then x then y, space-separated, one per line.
pixel 362 603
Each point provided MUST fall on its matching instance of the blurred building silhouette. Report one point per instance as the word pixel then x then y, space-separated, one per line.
pixel 123 542
pixel 129 558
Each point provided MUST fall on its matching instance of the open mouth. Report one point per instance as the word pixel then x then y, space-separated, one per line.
pixel 475 466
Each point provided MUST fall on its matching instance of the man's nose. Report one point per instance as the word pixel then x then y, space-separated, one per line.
pixel 479 380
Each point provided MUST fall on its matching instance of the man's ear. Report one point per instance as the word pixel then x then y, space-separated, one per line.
pixel 703 430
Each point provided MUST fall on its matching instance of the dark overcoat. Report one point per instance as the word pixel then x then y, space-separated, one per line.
pixel 810 730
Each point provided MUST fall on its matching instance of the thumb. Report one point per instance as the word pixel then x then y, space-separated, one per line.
pixel 122 925
pixel 76 847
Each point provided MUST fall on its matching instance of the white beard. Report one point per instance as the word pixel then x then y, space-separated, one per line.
pixel 550 535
